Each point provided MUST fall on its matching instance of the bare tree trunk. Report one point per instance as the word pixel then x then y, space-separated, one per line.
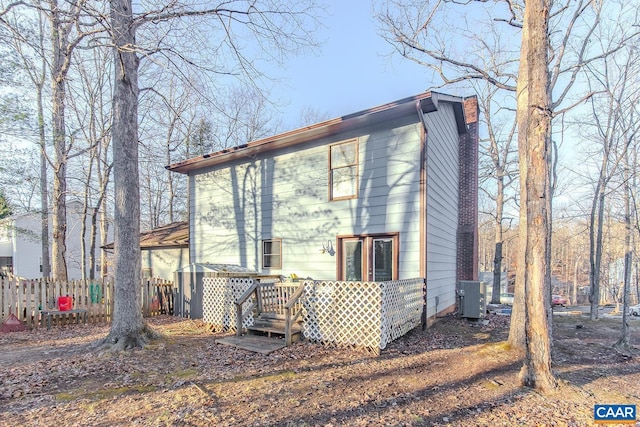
pixel 534 142
pixel 497 260
pixel 101 211
pixel 172 193
pixel 128 329
pixel 624 342
pixel 575 282
pixel 58 87
pixel 104 232
pixel 37 73
pixel 44 187
pixel 552 162
pixel 83 238
pixel 595 250
pixel 92 244
pixel 84 251
pixel 103 180
pixel 101 207
pixel 517 336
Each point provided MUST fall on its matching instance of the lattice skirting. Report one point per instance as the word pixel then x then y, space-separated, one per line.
pixel 218 302
pixel 360 314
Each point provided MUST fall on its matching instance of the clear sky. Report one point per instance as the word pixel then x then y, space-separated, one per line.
pixel 352 72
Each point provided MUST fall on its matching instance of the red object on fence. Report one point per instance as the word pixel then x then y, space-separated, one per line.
pixel 65 303
pixel 12 324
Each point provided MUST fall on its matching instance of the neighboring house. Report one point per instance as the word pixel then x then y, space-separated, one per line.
pixel 487 278
pixel 163 250
pixel 21 243
pixel 383 194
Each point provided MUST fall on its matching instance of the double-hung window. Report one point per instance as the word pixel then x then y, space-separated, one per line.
pixel 272 253
pixel 343 170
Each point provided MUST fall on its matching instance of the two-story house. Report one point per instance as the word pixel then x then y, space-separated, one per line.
pixel 382 194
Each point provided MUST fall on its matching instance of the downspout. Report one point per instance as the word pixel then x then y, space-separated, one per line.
pixel 423 210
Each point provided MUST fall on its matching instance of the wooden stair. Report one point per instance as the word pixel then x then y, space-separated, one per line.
pixel 273 324
pixel 266 335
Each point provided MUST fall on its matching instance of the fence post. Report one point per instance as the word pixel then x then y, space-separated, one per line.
pixel 147 298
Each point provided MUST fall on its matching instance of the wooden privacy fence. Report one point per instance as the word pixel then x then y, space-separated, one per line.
pixel 25 298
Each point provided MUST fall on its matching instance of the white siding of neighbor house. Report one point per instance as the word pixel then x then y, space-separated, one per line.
pixel 25 249
pixel 163 262
pixel 285 195
pixel 442 207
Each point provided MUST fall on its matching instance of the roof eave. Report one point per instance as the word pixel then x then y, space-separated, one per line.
pixel 318 130
pixel 428 102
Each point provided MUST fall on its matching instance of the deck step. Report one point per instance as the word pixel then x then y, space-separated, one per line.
pixel 272 315
pixel 296 329
pixel 273 325
pixel 278 324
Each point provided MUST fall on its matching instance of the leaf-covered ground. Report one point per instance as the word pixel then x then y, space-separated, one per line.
pixel 456 373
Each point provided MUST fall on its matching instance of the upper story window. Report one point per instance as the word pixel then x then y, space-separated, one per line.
pixel 272 253
pixel 343 170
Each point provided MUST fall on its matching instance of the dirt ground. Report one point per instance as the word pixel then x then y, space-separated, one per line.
pixel 456 373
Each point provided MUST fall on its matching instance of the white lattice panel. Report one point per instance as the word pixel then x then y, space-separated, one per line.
pixel 343 313
pixel 218 301
pixel 402 303
pixel 361 314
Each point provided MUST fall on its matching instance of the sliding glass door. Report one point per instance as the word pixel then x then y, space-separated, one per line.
pixel 368 258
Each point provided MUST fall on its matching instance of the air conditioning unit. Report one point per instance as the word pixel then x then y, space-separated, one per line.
pixel 473 302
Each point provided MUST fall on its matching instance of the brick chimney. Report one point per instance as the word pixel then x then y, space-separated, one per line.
pixel 467 262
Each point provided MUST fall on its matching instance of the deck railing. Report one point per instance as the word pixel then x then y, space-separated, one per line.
pixel 274 296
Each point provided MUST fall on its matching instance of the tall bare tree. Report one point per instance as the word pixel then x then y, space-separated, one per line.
pixel 27 41
pixel 624 342
pixel 498 169
pixel 68 25
pixel 611 127
pixel 128 329
pixel 463 53
pixel 534 147
pixel 281 26
pixel 554 48
pixel 64 21
pixel 90 100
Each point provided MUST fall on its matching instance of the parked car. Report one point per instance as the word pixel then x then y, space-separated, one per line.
pixel 559 300
pixel 506 298
pixel 634 310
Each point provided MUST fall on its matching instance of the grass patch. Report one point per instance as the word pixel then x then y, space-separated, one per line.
pixel 185 373
pixel 64 397
pixel 495 347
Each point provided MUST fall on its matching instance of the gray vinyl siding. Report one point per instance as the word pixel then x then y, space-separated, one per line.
pixel 442 207
pixel 285 195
